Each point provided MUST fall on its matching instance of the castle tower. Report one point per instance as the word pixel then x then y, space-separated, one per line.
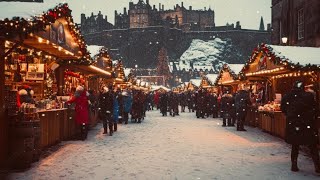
pixel 261 28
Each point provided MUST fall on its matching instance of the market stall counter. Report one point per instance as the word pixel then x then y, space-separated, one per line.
pixel 273 122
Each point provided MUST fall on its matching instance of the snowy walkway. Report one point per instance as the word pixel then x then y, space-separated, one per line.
pixel 182 147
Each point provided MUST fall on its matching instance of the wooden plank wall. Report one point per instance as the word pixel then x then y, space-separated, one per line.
pixel 3 119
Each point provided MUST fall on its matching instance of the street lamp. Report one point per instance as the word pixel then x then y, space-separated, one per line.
pixel 284 40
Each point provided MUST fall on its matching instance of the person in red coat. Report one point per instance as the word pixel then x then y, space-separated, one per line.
pixel 80 98
pixel 156 99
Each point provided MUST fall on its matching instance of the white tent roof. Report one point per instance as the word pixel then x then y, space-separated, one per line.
pixel 94 49
pixel 295 54
pixel 154 88
pixel 236 68
pixel 26 9
pixel 127 71
pixel 212 77
pixel 196 82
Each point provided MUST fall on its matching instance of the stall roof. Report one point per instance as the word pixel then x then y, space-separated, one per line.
pixel 196 82
pixel 154 88
pixel 295 54
pixel 90 70
pixel 212 77
pixel 94 49
pixel 236 68
pixel 20 19
pixel 25 9
pixel 127 71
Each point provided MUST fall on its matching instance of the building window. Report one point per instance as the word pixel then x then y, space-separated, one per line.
pixel 300 24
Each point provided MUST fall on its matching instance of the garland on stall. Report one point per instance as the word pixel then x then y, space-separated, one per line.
pixel 103 53
pixel 283 61
pixel 226 68
pixel 205 81
pixel 70 73
pixel 22 28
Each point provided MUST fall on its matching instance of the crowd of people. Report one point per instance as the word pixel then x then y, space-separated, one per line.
pixel 230 107
pixel 115 105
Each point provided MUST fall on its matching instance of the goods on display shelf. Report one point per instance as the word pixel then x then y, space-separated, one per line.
pixel 271 106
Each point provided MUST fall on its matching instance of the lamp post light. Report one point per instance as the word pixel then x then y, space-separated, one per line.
pixel 284 40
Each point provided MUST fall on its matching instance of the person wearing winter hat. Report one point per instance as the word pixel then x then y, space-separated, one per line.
pixel 127 104
pixel 82 109
pixel 105 107
pixel 299 107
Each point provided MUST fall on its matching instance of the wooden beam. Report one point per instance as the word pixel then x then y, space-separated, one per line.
pixel 3 119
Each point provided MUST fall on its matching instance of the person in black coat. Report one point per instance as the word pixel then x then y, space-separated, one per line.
pixel 201 103
pixel 300 110
pixel 164 104
pixel 189 101
pixel 106 109
pixel 214 102
pixel 183 101
pixel 242 103
pixel 227 101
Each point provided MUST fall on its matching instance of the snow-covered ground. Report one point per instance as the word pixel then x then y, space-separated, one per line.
pixel 180 147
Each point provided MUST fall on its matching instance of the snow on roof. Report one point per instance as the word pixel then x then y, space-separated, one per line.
pixel 127 71
pixel 196 82
pixel 212 77
pixel 94 49
pixel 170 67
pixel 295 54
pixel 154 88
pixel 26 9
pixel 236 68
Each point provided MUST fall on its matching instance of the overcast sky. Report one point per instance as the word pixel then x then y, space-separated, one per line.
pixel 248 12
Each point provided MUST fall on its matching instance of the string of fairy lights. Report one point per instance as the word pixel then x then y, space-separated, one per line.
pixel 21 27
pixel 295 69
pixel 226 68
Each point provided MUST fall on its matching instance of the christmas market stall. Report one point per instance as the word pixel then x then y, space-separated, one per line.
pixel 228 77
pixel 37 53
pixel 270 74
pixel 193 85
pixel 211 78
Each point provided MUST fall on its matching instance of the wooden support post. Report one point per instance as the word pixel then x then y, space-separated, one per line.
pixel 3 120
pixel 60 80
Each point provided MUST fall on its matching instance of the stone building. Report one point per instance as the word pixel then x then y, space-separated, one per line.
pixel 143 14
pixel 140 32
pixel 94 23
pixel 298 20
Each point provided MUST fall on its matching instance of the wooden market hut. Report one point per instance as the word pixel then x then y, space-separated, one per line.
pixel 44 43
pixel 228 76
pixel 212 79
pixel 205 83
pixel 193 85
pixel 274 69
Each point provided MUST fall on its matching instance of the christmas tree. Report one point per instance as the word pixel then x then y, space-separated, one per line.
pixel 163 66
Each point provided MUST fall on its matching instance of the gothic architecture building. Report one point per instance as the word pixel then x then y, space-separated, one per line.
pixel 94 23
pixel 142 15
pixel 298 21
pixel 142 30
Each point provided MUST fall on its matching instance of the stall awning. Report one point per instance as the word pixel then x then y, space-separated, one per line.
pixel 275 61
pixel 90 70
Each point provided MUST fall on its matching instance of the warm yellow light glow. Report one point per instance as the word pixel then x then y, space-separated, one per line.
pixel 100 70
